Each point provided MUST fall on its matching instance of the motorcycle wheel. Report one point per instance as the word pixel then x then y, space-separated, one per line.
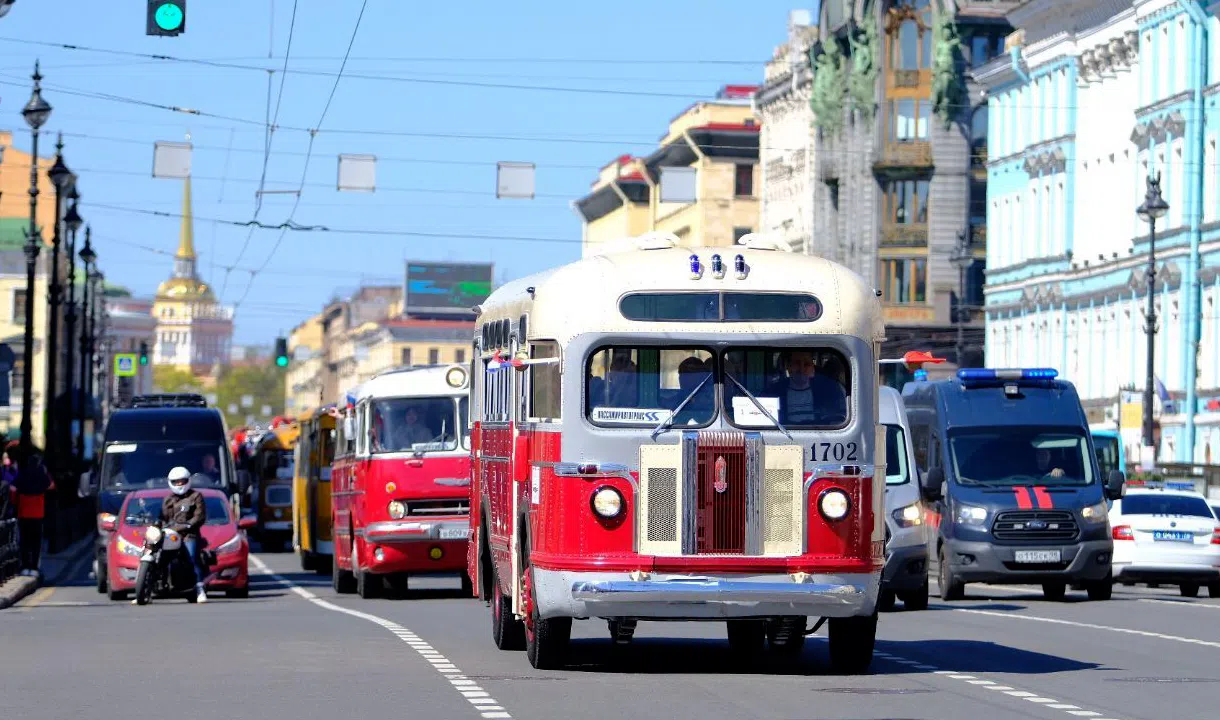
pixel 144 583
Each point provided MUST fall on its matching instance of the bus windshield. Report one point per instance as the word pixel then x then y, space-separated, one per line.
pixel 1020 456
pixel 130 466
pixel 419 424
pixel 644 386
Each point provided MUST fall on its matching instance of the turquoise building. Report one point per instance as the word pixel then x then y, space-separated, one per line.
pixel 1091 98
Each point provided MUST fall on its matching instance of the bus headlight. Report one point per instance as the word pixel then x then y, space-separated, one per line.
pixel 398 509
pixel 834 504
pixel 607 502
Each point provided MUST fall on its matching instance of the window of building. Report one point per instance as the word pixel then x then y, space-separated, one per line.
pixel 739 233
pixel 984 47
pixel 434 356
pixel 459 356
pixel 544 382
pixel 975 277
pixel 904 280
pixel 906 201
pixel 743 181
pixel 978 136
pixel 19 306
pixel 910 31
pixel 406 357
pixel 832 187
pixel 909 119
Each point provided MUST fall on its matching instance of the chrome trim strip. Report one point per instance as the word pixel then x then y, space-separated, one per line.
pixel 755 447
pixel 702 592
pixel 393 531
pixel 452 482
pixel 819 472
pixel 346 493
pixel 569 469
pixel 689 479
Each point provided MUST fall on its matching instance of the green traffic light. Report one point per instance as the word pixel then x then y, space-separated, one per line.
pixel 143 359
pixel 281 361
pixel 168 16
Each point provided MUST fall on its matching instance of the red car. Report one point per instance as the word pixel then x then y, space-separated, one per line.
pixel 225 536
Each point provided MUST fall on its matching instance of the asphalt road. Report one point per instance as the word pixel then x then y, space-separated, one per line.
pixel 295 650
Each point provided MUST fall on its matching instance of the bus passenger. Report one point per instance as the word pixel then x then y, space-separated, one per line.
pixel 691 372
pixel 806 397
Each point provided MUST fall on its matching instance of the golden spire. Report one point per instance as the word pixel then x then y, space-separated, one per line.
pixel 186 237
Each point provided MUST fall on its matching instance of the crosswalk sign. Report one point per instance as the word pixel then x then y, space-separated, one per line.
pixel 125 365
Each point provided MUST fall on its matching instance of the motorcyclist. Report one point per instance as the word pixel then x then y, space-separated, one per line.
pixel 186 511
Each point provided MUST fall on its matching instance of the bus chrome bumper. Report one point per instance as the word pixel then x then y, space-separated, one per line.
pixel 693 597
pixel 396 531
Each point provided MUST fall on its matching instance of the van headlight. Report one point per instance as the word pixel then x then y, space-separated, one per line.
pixel 971 515
pixel 153 534
pixel 1095 514
pixel 908 516
pixel 129 548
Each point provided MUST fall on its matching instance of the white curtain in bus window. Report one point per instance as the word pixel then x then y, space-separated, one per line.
pixel 808 385
pixel 644 386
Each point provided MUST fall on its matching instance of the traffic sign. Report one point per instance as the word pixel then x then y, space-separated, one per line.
pixel 125 365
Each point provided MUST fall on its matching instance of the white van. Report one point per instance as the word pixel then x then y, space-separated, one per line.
pixel 906 546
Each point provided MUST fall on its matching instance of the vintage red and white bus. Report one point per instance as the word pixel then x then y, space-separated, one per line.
pixel 661 433
pixel 400 481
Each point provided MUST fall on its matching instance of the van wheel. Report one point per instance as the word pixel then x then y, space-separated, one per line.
pixel 1054 591
pixel 851 644
pixel 950 587
pixel 1101 589
pixel 916 599
pixel 1190 590
pixel 886 600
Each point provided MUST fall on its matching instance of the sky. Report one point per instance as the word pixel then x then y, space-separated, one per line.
pixel 439 92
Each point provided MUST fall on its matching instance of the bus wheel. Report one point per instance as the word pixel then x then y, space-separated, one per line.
pixel 851 644
pixel 341 580
pixel 467 586
pixel 308 561
pixel 507 631
pixel 546 641
pixel 400 585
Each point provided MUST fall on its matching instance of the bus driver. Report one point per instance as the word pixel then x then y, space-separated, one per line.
pixel 807 397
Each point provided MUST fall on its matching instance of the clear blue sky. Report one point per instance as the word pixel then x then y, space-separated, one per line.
pixel 480 43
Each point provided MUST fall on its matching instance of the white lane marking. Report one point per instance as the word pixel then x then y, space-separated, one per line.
pixel 1181 603
pixel 480 700
pixel 1091 626
pixel 1039 700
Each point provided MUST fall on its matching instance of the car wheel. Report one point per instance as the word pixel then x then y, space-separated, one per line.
pixel 238 593
pixel 102 577
pixel 1190 590
pixel 117 595
pixel 950 587
pixel 1054 590
pixel 916 599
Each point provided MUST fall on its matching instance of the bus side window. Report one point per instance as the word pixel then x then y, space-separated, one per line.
pixel 544 384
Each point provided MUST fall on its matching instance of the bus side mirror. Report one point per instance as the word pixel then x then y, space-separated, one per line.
pixel 932 484
pixel 1114 484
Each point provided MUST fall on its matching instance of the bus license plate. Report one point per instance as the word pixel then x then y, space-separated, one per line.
pixel 1038 556
pixel 454 533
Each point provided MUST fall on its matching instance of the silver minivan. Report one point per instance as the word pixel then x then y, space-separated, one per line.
pixel 906 545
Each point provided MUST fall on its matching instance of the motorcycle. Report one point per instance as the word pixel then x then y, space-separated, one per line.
pixel 165 567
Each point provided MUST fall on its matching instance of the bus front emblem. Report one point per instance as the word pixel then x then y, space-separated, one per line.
pixel 721 483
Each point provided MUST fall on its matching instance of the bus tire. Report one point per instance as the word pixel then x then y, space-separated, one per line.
pixel 851 644
pixel 343 582
pixel 506 630
pixel 467 586
pixel 308 561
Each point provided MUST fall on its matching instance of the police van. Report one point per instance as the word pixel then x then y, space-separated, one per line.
pixel 1007 466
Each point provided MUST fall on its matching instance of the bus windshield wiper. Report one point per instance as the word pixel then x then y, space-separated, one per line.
pixel 759 405
pixel 669 420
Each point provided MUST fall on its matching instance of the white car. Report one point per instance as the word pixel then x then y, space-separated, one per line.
pixel 1166 534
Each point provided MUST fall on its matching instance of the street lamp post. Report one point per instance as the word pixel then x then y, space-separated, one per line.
pixel 36 112
pixel 962 259
pixel 1153 208
pixel 60 177
pixel 72 221
pixel 88 257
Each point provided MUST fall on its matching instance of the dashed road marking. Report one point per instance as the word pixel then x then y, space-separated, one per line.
pixel 481 700
pixel 1091 626
pixel 1181 603
pixel 1039 700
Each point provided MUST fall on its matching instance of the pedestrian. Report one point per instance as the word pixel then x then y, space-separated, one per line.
pixel 33 482
pixel 8 480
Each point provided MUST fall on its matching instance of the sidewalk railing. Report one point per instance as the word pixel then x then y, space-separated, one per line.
pixel 10 558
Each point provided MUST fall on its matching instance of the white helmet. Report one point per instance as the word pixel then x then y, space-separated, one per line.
pixel 179 480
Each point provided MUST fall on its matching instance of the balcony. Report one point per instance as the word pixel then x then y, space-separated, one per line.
pixel 905 155
pixel 907 78
pixel 978 236
pixel 895 235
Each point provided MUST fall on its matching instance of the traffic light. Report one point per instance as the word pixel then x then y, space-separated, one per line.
pixel 143 353
pixel 166 17
pixel 281 352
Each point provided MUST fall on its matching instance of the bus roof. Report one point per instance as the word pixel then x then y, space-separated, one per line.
pixel 584 295
pixel 422 381
pixel 283 437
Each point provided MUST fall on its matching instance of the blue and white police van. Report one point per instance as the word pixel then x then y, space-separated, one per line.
pixel 1007 467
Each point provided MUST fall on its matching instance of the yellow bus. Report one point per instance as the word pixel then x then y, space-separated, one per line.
pixel 272 469
pixel 311 521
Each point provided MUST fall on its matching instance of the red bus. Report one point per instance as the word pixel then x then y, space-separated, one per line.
pixel 400 480
pixel 672 434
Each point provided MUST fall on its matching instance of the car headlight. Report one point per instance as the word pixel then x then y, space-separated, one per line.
pixel 971 514
pixel 129 548
pixel 834 504
pixel 607 502
pixel 1096 514
pixel 398 509
pixel 908 516
pixel 230 545
pixel 153 534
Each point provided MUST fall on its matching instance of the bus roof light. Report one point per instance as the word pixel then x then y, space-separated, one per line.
pixel 739 267
pixel 696 270
pixel 717 267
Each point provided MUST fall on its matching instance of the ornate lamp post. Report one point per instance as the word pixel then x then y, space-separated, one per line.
pixel 36 112
pixel 1153 209
pixel 962 259
pixel 88 257
pixel 72 221
pixel 61 178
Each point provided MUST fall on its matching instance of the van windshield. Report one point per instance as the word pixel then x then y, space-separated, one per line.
pixel 1014 456
pixel 130 466
pixel 896 470
pixel 1107 454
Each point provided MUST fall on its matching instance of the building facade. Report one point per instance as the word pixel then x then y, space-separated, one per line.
pixel 1096 97
pixel 718 140
pixel 786 145
pixel 900 186
pixel 194 331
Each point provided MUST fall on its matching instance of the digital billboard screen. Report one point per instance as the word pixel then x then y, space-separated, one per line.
pixel 446 288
